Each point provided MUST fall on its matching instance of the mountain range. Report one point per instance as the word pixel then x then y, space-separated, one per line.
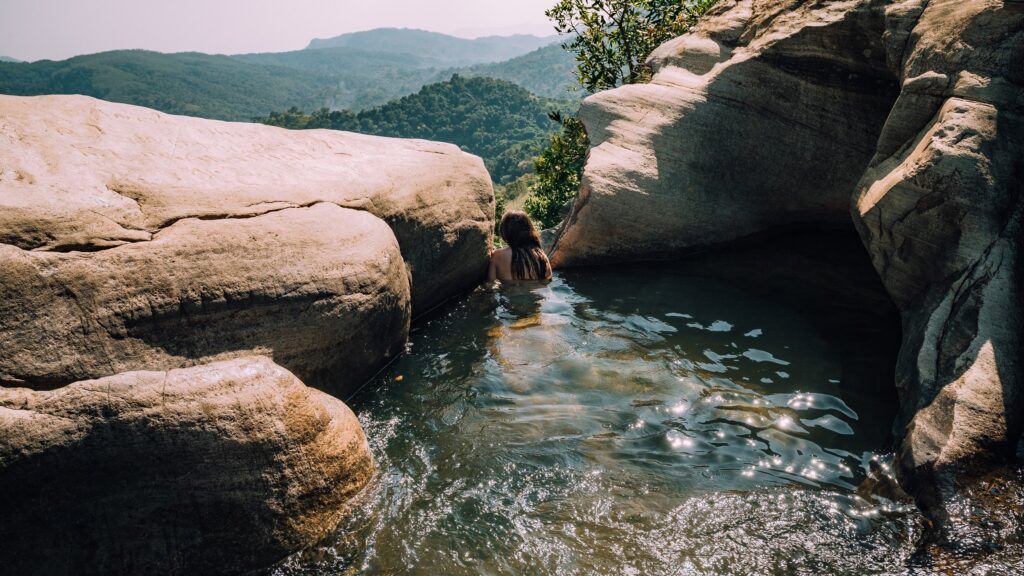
pixel 356 71
pixel 456 51
pixel 548 71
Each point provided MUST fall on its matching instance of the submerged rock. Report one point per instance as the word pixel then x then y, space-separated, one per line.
pixel 220 468
pixel 773 115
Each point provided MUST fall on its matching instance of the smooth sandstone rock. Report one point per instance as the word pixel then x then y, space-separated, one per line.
pixel 767 116
pixel 773 114
pixel 79 174
pixel 133 239
pixel 323 290
pixel 221 468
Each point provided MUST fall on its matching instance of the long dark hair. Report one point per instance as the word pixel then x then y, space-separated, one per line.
pixel 528 259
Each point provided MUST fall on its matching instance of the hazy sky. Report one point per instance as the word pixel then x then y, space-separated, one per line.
pixel 57 29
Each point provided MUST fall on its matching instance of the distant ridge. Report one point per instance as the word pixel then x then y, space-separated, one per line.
pixel 497 120
pixel 367 70
pixel 8 59
pixel 548 71
pixel 450 49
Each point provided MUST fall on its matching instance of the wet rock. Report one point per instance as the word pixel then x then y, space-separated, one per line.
pixel 547 238
pixel 941 211
pixel 220 468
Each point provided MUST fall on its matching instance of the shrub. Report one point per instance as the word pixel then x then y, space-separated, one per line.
pixel 558 171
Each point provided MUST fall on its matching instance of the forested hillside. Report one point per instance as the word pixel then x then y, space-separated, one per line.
pixel 193 84
pixel 547 71
pixel 351 76
pixel 494 119
pixel 359 79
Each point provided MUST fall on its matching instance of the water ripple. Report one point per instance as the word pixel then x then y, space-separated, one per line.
pixel 615 424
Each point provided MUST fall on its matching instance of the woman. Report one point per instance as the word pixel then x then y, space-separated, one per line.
pixel 524 259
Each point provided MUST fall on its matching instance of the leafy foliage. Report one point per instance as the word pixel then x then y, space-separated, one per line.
pixel 612 38
pixel 511 196
pixel 500 205
pixel 496 120
pixel 558 171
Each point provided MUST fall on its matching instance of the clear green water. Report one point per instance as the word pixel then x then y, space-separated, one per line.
pixel 632 421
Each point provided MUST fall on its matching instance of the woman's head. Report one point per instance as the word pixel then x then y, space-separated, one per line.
pixel 517 231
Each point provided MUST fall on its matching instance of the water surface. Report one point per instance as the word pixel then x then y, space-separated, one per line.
pixel 641 420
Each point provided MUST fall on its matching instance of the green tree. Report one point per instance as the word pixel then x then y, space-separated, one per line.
pixel 500 204
pixel 612 38
pixel 558 171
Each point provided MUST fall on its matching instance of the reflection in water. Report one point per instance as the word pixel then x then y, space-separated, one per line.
pixel 616 422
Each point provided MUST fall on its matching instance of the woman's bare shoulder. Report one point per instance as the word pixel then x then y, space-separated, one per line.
pixel 501 254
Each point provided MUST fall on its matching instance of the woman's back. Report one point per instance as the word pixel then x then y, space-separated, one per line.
pixel 501 267
pixel 524 259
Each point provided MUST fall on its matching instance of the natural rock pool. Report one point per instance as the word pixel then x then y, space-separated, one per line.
pixel 658 419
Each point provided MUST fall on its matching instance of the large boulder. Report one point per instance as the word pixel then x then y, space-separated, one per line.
pixel 79 174
pixel 772 114
pixel 766 116
pixel 941 210
pixel 321 289
pixel 221 468
pixel 134 239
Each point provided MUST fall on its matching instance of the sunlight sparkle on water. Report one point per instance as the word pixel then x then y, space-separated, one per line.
pixel 620 440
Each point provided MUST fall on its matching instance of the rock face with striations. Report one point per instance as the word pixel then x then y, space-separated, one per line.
pixel 941 210
pixel 773 114
pixel 198 251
